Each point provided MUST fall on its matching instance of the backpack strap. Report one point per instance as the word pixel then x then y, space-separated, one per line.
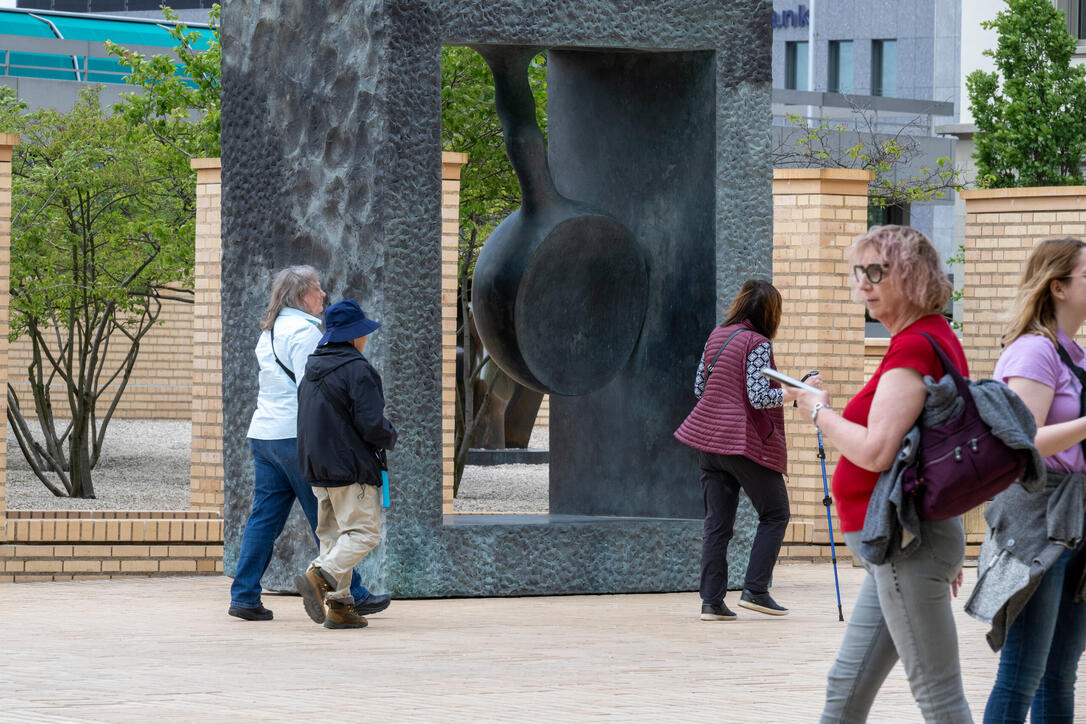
pixel 1081 375
pixel 290 373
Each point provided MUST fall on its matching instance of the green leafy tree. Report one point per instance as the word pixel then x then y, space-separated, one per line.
pixel 102 229
pixel 180 97
pixel 488 193
pixel 1030 125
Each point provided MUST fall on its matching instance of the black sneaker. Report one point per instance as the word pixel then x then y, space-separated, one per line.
pixel 375 603
pixel 761 602
pixel 716 612
pixel 251 613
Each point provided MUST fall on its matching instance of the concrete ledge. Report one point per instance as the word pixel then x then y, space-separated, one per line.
pixel 509 456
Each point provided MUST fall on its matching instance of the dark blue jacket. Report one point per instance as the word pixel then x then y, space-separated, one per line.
pixel 341 421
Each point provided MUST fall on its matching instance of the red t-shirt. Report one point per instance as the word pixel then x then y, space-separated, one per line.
pixel 852 485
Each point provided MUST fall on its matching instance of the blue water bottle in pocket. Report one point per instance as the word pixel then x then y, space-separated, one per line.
pixel 382 460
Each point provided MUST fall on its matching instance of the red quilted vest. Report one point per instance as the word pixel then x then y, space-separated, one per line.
pixel 723 421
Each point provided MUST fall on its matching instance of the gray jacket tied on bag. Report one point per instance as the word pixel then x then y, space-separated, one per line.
pixel 1027 533
pixel 892 526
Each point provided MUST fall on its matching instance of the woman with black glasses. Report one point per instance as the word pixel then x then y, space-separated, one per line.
pixel 903 609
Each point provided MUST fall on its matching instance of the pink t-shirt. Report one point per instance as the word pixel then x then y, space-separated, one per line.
pixel 1035 358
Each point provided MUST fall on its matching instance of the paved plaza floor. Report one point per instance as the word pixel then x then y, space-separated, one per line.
pixel 164 650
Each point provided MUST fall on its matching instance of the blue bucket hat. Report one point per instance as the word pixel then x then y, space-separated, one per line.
pixel 345 321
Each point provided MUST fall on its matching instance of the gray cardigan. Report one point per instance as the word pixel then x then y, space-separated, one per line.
pixel 1027 533
pixel 892 526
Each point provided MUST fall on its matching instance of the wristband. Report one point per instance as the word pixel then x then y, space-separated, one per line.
pixel 814 411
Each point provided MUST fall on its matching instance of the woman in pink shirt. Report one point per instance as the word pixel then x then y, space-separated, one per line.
pixel 1046 616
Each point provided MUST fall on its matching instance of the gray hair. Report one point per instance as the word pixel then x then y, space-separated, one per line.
pixel 287 290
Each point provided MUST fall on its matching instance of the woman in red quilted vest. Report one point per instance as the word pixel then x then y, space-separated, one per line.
pixel 737 427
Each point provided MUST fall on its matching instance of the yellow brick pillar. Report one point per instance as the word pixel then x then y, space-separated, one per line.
pixel 7 143
pixel 206 486
pixel 450 244
pixel 816 215
pixel 1001 228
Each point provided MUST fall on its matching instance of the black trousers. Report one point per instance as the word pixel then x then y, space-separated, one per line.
pixel 721 478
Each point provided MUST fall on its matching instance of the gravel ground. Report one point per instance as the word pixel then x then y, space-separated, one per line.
pixel 507 488
pixel 144 466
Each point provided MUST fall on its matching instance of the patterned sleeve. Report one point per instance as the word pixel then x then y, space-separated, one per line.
pixel 760 394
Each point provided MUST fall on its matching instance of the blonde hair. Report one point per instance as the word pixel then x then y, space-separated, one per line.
pixel 916 271
pixel 1034 310
pixel 287 289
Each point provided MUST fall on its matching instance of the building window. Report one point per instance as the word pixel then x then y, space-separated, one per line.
pixel 840 66
pixel 1075 13
pixel 795 65
pixel 883 67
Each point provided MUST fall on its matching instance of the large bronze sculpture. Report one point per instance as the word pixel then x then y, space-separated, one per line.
pixel 559 289
pixel 658 120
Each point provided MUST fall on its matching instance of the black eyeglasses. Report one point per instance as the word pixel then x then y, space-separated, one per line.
pixel 873 272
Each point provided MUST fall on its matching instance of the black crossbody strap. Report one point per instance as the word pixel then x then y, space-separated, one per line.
pixel 278 361
pixel 709 369
pixel 1081 374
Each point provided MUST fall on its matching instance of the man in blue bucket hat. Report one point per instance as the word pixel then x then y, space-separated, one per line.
pixel 341 428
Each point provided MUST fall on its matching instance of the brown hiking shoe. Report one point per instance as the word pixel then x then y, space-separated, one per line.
pixel 342 615
pixel 314 587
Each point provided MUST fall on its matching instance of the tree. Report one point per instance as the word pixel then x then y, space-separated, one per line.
pixel 488 193
pixel 102 229
pixel 1030 129
pixel 820 145
pixel 180 99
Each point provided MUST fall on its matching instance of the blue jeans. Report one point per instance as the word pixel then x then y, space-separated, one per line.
pixel 278 482
pixel 1038 662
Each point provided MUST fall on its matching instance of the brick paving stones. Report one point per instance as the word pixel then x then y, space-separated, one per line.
pixel 164 650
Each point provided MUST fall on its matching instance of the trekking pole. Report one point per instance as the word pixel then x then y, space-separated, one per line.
pixel 828 502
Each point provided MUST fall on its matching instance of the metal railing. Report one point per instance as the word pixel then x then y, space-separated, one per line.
pixel 55 59
pixel 878 114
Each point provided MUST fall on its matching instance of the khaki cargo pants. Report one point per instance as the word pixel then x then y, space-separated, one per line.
pixel 348 528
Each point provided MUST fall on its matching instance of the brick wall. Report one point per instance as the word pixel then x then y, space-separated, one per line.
pixel 7 143
pixel 66 545
pixel 205 371
pixel 1001 228
pixel 816 214
pixel 450 244
pixel 160 385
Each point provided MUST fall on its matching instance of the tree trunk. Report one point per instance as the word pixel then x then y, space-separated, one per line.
pixel 79 458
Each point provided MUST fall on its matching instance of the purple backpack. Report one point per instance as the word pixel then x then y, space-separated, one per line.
pixel 960 463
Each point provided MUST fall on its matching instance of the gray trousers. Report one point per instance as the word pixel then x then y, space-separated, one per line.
pixel 903 610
